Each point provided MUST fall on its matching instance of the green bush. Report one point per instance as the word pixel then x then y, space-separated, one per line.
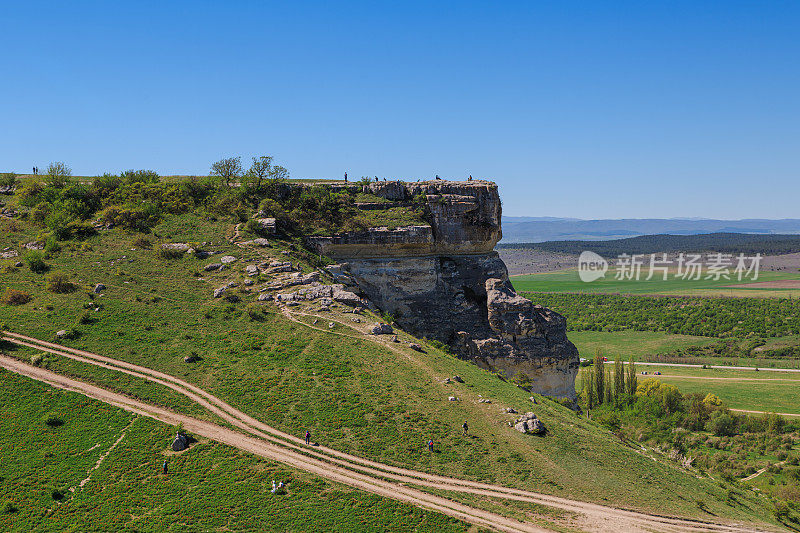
pixel 35 261
pixel 59 283
pixel 8 179
pixel 36 360
pixel 15 297
pixel 721 424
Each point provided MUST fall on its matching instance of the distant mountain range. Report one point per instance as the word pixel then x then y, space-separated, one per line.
pixel 541 229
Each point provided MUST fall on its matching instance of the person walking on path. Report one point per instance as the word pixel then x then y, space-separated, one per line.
pixel 430 445
pixel 164 468
pixel 308 438
pixel 465 427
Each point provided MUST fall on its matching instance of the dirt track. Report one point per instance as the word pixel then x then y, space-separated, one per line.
pixel 337 466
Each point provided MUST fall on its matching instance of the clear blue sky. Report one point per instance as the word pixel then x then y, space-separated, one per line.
pixel 581 109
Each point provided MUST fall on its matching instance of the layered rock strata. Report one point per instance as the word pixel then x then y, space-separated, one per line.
pixel 444 281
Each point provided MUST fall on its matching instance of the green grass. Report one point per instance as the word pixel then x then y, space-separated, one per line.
pixel 639 344
pixel 568 281
pixel 210 486
pixel 352 394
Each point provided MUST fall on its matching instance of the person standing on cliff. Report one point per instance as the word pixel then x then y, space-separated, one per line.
pixel 345 177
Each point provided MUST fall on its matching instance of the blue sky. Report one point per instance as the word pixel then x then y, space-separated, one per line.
pixel 580 109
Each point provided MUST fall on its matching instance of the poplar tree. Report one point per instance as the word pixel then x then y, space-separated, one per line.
pixel 633 381
pixel 619 378
pixel 599 377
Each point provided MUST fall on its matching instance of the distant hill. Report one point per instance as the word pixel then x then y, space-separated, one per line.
pixel 733 243
pixel 541 229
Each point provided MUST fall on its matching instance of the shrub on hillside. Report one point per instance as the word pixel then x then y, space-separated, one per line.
pixel 8 179
pixel 142 242
pixel 35 261
pixel 59 283
pixel 15 297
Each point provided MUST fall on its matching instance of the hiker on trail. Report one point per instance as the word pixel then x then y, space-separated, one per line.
pixel 470 177
pixel 430 445
pixel 164 468
pixel 465 427
pixel 345 177
pixel 34 171
pixel 437 177
pixel 308 438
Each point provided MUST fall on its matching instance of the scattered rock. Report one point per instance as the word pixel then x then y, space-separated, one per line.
pixel 394 338
pixel 458 379
pixel 533 399
pixel 264 297
pixel 511 410
pixel 60 334
pixel 484 400
pixel 219 292
pixel 346 297
pixel 529 423
pixel 356 320
pixel 264 243
pixel 330 325
pixel 267 225
pixel 453 399
pixel 99 288
pixel 8 254
pixel 180 443
pixel 18 264
pixel 34 245
pixel 212 266
pixel 231 284
pixel 248 282
pixel 191 358
pixel 415 346
pixel 225 259
pixel 177 246
pixel 251 270
pixel 381 329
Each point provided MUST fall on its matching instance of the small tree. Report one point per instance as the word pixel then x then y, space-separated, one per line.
pixel 633 382
pixel 58 174
pixel 260 169
pixel 227 169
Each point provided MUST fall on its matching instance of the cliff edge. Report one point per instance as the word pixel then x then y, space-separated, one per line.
pixel 444 281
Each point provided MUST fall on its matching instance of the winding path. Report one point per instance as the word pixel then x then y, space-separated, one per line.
pixel 365 474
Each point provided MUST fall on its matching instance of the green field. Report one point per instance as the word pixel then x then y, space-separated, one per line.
pixel 568 281
pixel 209 487
pixel 639 344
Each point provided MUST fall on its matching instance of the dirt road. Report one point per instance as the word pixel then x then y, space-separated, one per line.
pixel 342 467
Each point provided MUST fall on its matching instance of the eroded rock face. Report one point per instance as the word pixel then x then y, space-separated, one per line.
pixel 445 282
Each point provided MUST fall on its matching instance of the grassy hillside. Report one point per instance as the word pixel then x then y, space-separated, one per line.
pixel 352 393
pixel 209 487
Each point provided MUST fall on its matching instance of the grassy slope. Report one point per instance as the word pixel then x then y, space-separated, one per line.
pixel 352 394
pixel 210 486
pixel 568 281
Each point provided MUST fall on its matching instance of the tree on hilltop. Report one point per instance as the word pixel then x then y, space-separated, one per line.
pixel 228 169
pixel 58 174
pixel 260 169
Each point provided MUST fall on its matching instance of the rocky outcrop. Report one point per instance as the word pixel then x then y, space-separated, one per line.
pixel 444 281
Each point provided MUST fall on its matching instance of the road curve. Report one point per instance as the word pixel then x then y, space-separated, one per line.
pixel 596 513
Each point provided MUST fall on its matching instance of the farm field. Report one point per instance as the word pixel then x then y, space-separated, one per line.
pixel 638 344
pixel 209 486
pixel 568 281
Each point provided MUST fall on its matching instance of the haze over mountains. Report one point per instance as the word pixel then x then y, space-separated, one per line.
pixel 540 229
